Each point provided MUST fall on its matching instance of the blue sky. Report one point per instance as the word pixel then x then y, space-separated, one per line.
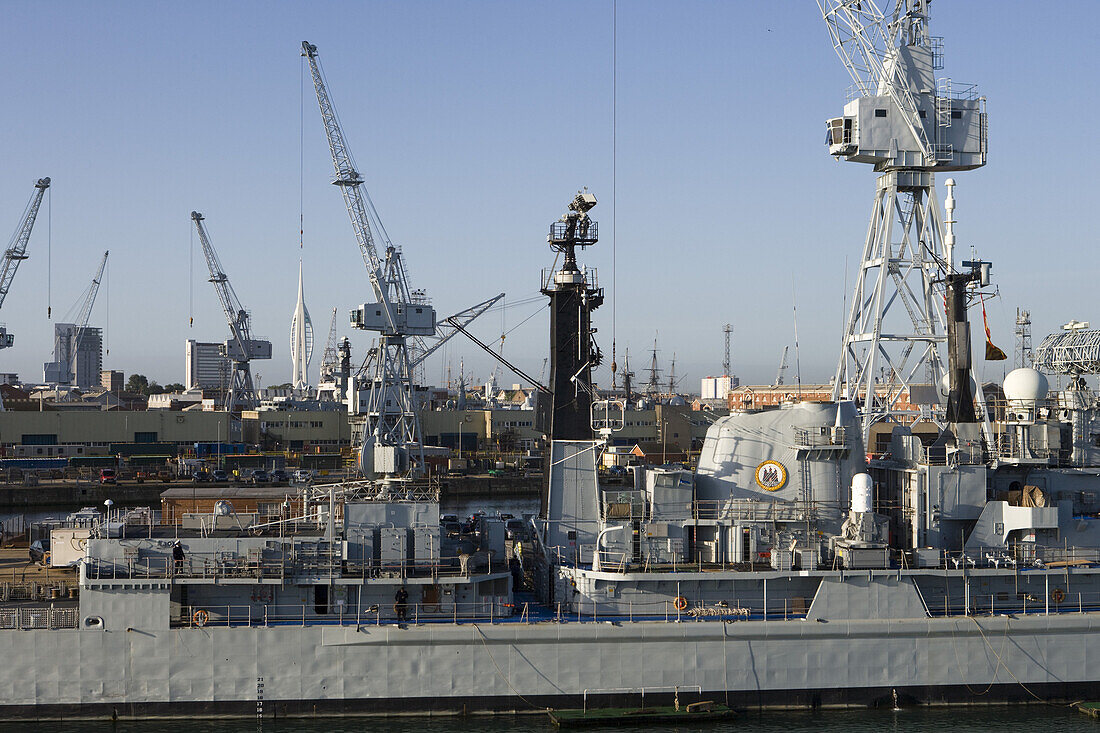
pixel 473 125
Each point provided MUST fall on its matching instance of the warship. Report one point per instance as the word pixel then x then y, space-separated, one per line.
pixel 956 560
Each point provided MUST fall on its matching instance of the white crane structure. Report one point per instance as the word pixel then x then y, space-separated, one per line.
pixel 69 340
pixel 386 422
pixel 16 252
pixel 330 360
pixel 240 348
pixel 782 368
pixel 908 125
pixel 301 339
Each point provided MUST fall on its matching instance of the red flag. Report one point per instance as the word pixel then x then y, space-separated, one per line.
pixel 992 353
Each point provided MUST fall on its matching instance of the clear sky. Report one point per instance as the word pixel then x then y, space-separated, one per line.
pixel 474 123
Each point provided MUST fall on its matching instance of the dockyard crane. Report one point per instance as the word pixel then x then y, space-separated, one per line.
pixel 241 348
pixel 16 252
pixel 330 361
pixel 909 125
pixel 389 430
pixel 782 368
pixel 65 354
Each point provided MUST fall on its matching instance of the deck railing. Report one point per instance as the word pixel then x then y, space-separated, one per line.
pixel 30 617
pixel 217 566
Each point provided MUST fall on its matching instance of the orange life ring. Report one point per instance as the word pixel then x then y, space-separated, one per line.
pixel 680 603
pixel 200 617
pixel 1057 595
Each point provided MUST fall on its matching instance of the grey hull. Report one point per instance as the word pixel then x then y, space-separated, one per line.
pixel 515 667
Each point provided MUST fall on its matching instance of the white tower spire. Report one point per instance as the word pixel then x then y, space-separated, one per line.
pixel 301 338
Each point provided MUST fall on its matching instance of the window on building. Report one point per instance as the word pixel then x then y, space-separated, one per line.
pixel 956 114
pixel 880 113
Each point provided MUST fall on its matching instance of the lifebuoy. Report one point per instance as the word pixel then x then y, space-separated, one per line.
pixel 200 617
pixel 1057 595
pixel 680 603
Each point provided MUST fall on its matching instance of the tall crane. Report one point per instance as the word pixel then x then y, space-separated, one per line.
pixel 67 342
pixel 782 368
pixel 387 423
pixel 330 360
pixel 240 348
pixel 909 125
pixel 728 331
pixel 16 251
pixel 391 417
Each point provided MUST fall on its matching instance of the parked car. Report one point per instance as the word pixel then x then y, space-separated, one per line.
pixel 279 476
pixel 302 476
pixel 220 476
pixel 164 475
pixel 108 476
pixel 259 476
pixel 201 476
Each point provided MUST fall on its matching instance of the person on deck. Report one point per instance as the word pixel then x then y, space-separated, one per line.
pixel 177 556
pixel 401 605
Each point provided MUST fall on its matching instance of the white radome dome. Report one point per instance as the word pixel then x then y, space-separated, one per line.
pixel 1025 385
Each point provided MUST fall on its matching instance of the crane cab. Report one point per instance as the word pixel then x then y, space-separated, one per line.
pixel 410 319
pixel 875 130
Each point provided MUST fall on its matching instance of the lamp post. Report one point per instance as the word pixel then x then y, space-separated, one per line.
pixel 465 418
pixel 108 503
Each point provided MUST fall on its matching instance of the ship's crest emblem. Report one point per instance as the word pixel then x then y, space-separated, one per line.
pixel 771 475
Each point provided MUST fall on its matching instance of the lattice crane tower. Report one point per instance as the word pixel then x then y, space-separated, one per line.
pixel 909 125
pixel 385 417
pixel 16 252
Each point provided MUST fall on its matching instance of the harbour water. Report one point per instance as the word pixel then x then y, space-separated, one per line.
pixel 1049 718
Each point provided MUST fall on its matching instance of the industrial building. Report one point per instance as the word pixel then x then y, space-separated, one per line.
pixel 112 380
pixel 205 365
pixel 78 356
pixel 717 388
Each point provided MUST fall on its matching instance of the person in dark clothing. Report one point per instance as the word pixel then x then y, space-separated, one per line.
pixel 177 556
pixel 401 605
pixel 517 573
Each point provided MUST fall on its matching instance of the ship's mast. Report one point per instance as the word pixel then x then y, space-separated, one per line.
pixel 573 294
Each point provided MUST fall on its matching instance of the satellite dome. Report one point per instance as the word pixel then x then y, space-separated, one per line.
pixel 677 401
pixel 1025 385
pixel 223 508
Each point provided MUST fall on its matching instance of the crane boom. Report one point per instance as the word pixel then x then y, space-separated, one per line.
pixel 866 39
pixel 16 251
pixel 82 318
pixel 235 314
pixel 241 348
pixel 782 367
pixel 349 180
